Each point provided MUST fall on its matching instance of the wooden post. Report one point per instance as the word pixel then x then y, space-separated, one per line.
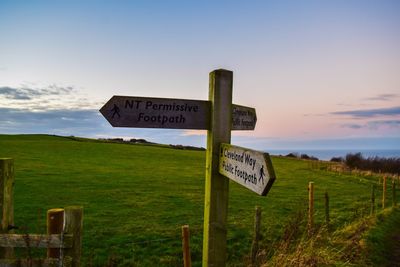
pixel 6 201
pixel 310 206
pixel 372 199
pixel 394 202
pixel 257 235
pixel 187 262
pixel 73 223
pixel 216 185
pixel 327 219
pixel 384 192
pixel 55 224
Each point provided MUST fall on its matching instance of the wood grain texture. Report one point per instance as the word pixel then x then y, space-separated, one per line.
pixel 6 201
pixel 216 185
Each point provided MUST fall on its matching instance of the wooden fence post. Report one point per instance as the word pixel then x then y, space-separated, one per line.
pixel 394 193
pixel 217 185
pixel 187 261
pixel 384 192
pixel 6 201
pixel 310 206
pixel 372 199
pixel 257 236
pixel 55 224
pixel 327 219
pixel 73 223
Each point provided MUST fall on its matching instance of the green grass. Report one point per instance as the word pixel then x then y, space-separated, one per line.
pixel 136 197
pixel 383 241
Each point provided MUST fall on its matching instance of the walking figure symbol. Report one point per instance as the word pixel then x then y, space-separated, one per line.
pixel 115 109
pixel 262 174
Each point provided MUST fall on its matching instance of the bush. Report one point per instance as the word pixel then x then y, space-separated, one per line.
pixel 354 160
pixel 337 159
pixel 375 164
pixel 304 156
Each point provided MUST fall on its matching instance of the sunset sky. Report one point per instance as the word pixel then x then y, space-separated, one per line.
pixel 321 74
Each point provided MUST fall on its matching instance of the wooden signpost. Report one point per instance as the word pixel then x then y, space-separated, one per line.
pixel 250 168
pixel 218 116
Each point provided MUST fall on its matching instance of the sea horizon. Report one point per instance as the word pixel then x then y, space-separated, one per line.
pixel 328 154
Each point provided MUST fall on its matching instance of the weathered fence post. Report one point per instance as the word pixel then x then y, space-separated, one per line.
pixel 372 199
pixel 384 192
pixel 394 202
pixel 217 185
pixel 327 219
pixel 310 206
pixel 257 235
pixel 6 201
pixel 187 261
pixel 73 223
pixel 55 224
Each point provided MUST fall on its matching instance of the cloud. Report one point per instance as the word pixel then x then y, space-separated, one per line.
pixel 382 97
pixel 373 125
pixel 369 113
pixel 352 126
pixel 51 97
pixel 194 133
pixel 14 93
pixel 30 93
pixel 386 123
pixel 24 119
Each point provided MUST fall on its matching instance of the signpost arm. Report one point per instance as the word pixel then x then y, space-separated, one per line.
pixel 216 185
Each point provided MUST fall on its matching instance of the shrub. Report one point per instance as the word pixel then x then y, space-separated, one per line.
pixel 304 156
pixel 337 159
pixel 375 164
pixel 354 160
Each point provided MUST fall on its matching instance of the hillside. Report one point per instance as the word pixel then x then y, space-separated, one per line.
pixel 137 197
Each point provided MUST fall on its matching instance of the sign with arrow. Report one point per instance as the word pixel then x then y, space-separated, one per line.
pixel 243 118
pixel 250 168
pixel 145 112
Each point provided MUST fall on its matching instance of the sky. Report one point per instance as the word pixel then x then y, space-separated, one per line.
pixel 320 74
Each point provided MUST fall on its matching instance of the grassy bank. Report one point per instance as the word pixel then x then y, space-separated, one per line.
pixel 383 241
pixel 366 241
pixel 137 197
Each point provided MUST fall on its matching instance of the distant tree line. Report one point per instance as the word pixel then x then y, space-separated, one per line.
pixel 301 156
pixel 375 164
pixel 143 141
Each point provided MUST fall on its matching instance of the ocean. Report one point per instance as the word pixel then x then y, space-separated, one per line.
pixel 327 154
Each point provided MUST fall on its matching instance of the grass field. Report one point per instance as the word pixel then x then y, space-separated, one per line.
pixel 136 197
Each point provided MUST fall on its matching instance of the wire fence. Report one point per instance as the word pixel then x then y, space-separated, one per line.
pixel 240 234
